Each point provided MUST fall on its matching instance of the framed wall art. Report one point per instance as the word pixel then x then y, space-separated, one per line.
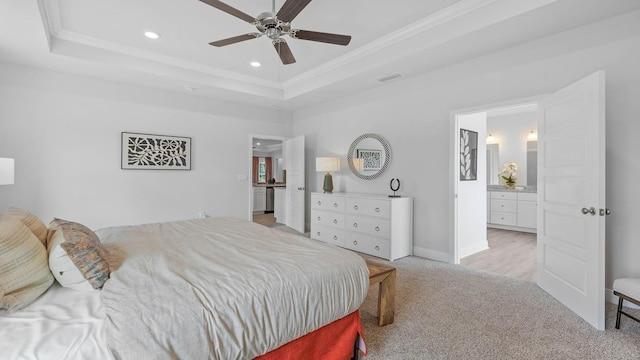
pixel 371 159
pixel 155 152
pixel 468 155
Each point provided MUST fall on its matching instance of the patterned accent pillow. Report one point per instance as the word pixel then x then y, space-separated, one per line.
pixel 77 259
pixel 24 272
pixel 37 227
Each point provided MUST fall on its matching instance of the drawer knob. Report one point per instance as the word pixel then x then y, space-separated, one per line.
pixel 335 237
pixel 355 207
pixel 335 204
pixel 377 247
pixel 319 218
pixel 355 242
pixel 335 221
pixel 377 209
pixel 319 202
pixel 355 225
pixel 318 233
pixel 377 228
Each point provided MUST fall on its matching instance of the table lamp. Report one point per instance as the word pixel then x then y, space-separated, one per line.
pixel 6 171
pixel 327 164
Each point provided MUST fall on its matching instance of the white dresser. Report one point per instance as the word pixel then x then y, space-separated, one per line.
pixel 372 224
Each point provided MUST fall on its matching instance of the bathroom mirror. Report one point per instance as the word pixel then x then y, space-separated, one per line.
pixel 493 164
pixel 532 163
pixel 369 156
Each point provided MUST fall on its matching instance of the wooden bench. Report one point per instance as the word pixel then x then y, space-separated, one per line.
pixel 384 275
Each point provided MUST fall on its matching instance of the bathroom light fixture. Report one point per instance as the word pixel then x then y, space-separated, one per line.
pixel 533 136
pixel 327 164
pixel 7 171
pixel 490 139
pixel 152 35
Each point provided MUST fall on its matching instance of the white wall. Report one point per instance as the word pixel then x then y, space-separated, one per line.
pixel 471 214
pixel 413 115
pixel 510 132
pixel 64 132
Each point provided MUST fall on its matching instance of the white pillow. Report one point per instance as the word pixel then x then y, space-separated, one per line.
pixel 76 257
pixel 24 273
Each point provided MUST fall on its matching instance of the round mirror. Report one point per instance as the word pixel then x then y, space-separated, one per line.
pixel 369 156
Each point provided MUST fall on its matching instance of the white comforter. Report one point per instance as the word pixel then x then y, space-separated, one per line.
pixel 221 288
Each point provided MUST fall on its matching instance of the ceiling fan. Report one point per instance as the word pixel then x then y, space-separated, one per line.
pixel 275 25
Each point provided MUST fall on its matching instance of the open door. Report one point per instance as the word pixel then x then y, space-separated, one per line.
pixel 294 159
pixel 571 197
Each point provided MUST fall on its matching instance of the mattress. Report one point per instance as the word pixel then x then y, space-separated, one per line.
pixel 221 288
pixel 217 288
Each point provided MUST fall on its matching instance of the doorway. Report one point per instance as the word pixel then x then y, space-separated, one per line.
pixel 503 132
pixel 268 178
pixel 510 247
pixel 571 205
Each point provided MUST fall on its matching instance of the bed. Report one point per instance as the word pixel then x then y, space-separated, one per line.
pixel 215 288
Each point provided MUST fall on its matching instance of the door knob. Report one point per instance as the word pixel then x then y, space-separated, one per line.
pixel 590 210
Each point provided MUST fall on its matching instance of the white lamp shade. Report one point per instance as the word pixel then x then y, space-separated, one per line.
pixel 358 164
pixel 327 164
pixel 7 167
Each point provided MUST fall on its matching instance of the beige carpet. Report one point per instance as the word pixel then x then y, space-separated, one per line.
pixel 448 311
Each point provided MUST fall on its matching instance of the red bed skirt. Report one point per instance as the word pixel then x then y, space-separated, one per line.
pixel 334 341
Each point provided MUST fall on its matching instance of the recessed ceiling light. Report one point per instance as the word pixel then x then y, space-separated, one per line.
pixel 255 64
pixel 151 35
pixel 189 88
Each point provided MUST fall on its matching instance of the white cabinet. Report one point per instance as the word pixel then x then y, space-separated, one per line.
pixel 512 210
pixel 259 199
pixel 527 210
pixel 372 224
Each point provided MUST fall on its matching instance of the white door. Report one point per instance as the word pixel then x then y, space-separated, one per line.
pixel 294 160
pixel 571 192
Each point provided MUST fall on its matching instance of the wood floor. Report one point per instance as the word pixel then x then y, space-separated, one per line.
pixel 269 220
pixel 511 253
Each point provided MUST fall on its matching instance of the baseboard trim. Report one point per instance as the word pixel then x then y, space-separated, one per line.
pixel 472 249
pixel 432 254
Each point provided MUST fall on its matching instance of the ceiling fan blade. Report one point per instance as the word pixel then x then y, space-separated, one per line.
pixel 230 10
pixel 291 9
pixel 284 51
pixel 235 39
pixel 328 38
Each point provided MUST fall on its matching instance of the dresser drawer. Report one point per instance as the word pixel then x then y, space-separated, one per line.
pixel 327 218
pixel 369 207
pixel 327 202
pixel 327 234
pixel 503 205
pixel 368 245
pixel 527 197
pixel 369 225
pixel 504 195
pixel 503 218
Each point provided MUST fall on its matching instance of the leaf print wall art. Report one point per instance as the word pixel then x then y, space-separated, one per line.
pixel 155 152
pixel 468 155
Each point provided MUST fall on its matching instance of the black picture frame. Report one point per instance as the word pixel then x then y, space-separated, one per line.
pixel 468 155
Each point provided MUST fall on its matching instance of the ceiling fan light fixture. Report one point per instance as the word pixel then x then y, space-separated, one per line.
pixel 152 35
